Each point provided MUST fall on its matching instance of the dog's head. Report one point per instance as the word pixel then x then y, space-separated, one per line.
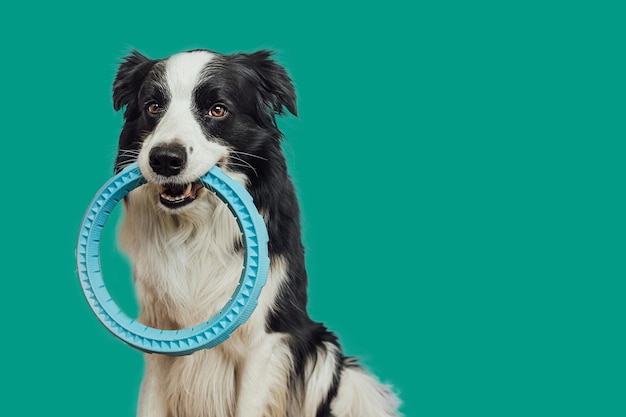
pixel 191 111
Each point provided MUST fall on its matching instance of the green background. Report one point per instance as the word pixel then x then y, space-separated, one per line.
pixel 460 167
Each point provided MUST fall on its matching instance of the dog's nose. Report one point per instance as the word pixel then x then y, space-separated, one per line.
pixel 168 160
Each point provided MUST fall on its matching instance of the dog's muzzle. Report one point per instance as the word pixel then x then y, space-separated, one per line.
pixel 169 161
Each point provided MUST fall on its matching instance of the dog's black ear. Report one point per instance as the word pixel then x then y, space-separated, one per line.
pixel 130 76
pixel 275 88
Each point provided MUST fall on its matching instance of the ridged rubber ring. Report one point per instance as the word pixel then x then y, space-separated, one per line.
pixel 185 341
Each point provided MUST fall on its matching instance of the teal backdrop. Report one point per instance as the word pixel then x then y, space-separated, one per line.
pixel 460 167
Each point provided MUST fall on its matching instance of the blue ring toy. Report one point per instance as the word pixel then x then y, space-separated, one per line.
pixel 185 341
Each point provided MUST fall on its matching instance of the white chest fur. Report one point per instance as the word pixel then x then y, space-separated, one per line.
pixel 186 266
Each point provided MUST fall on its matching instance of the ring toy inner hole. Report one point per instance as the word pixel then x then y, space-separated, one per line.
pixel 185 341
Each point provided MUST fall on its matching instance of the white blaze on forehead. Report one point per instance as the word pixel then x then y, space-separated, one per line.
pixel 183 72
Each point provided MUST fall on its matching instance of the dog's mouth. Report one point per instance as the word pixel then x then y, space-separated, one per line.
pixel 174 196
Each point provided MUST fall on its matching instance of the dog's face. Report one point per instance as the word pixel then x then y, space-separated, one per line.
pixel 197 109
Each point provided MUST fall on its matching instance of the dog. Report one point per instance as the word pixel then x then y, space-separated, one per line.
pixel 183 115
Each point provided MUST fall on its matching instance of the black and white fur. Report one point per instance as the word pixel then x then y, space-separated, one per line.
pixel 183 115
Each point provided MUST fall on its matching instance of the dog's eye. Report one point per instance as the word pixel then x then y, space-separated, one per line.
pixel 153 108
pixel 217 111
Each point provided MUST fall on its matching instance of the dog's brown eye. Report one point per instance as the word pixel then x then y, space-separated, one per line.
pixel 153 108
pixel 217 111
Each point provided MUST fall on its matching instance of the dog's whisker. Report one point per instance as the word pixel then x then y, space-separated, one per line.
pixel 243 164
pixel 243 161
pixel 249 154
pixel 128 155
pixel 129 152
pixel 127 158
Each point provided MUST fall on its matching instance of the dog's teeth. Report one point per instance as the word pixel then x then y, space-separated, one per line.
pixel 177 193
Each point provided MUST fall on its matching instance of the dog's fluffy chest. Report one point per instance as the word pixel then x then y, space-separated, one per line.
pixel 199 385
pixel 186 268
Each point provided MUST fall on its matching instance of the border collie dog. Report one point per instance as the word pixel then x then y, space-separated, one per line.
pixel 184 115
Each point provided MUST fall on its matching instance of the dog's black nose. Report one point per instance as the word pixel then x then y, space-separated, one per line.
pixel 168 160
